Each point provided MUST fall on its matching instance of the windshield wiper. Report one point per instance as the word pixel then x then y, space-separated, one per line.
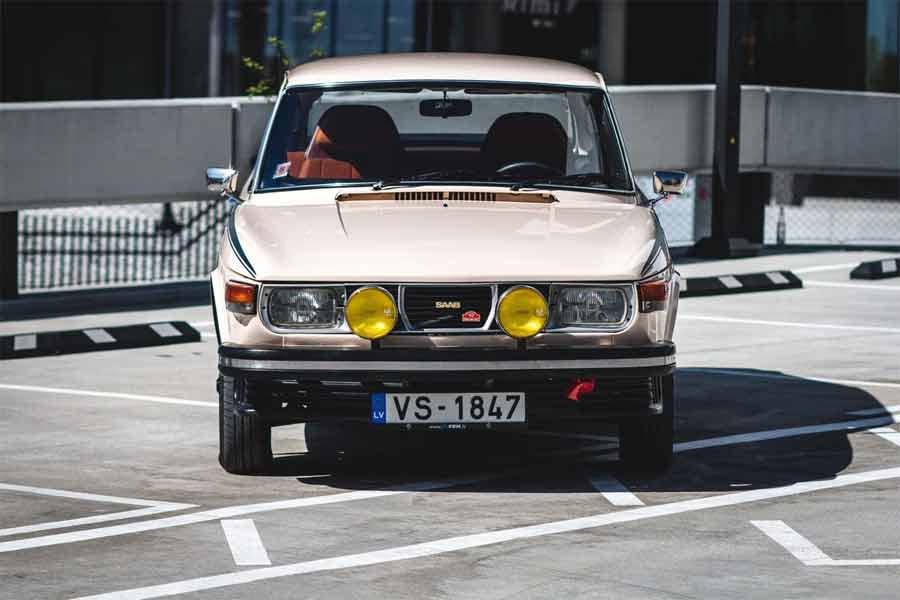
pixel 449 174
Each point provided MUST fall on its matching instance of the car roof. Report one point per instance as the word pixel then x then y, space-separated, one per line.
pixel 448 66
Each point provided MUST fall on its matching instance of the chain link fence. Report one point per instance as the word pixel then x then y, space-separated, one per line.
pixel 118 245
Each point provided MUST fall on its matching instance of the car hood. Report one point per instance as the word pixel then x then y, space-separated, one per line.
pixel 464 241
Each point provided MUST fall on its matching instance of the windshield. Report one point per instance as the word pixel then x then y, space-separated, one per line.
pixel 443 133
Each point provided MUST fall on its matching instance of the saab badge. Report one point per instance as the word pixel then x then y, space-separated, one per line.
pixel 471 316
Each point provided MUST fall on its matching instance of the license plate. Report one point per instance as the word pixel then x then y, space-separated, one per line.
pixel 493 407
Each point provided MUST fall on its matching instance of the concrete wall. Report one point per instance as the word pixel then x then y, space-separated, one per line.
pixel 817 131
pixel 671 127
pixel 76 153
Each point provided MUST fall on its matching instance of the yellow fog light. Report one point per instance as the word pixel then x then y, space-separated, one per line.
pixel 371 313
pixel 522 312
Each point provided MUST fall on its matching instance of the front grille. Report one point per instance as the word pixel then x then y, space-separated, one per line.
pixel 447 307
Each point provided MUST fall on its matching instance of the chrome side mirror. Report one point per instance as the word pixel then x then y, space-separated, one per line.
pixel 221 180
pixel 669 182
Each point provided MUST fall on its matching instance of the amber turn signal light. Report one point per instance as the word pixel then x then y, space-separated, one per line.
pixel 240 297
pixel 652 295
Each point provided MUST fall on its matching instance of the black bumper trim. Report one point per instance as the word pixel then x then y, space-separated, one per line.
pixel 655 359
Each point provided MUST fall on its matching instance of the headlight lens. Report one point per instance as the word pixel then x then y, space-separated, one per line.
pixel 586 306
pixel 305 308
pixel 522 312
pixel 371 313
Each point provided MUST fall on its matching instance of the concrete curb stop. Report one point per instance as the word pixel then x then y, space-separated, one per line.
pixel 739 284
pixel 25 345
pixel 877 269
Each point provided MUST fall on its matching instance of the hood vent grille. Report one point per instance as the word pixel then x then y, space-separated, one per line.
pixel 449 196
pixel 453 196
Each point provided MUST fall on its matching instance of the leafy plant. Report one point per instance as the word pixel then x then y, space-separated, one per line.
pixel 267 84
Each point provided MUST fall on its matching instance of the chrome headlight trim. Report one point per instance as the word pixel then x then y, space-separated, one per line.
pixel 629 291
pixel 265 302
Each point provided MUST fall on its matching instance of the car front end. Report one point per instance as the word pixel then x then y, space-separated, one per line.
pixel 453 301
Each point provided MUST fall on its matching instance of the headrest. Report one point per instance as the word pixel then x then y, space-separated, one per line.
pixel 523 136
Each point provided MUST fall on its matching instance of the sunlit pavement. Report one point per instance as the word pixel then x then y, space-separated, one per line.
pixel 785 484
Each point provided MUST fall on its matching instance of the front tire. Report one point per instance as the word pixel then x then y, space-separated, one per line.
pixel 245 441
pixel 646 443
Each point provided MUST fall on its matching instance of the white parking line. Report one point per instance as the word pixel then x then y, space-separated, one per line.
pixel 858 286
pixel 801 379
pixel 886 433
pixel 99 394
pixel 152 507
pixel 819 268
pixel 613 490
pixel 788 324
pixel 876 411
pixel 41 491
pixel 465 542
pixel 244 541
pixel 773 434
pixel 808 553
pixel 802 549
pixel 247 509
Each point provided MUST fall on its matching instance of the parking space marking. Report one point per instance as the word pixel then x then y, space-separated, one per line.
pixel 247 509
pixel 808 553
pixel 861 286
pixel 613 490
pixel 714 319
pixel 876 411
pixel 819 268
pixel 802 549
pixel 801 379
pixel 886 433
pixel 245 544
pixel 773 434
pixel 99 394
pixel 151 507
pixel 476 540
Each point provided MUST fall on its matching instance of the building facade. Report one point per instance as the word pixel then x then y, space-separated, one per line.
pixel 79 49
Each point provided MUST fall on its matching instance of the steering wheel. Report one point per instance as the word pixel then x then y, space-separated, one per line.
pixel 529 167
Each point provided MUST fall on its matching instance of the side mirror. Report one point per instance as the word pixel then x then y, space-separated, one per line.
pixel 222 180
pixel 669 182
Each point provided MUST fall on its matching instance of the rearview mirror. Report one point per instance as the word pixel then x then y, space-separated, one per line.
pixel 448 107
pixel 669 182
pixel 221 179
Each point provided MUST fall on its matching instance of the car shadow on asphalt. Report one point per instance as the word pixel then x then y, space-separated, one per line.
pixel 711 404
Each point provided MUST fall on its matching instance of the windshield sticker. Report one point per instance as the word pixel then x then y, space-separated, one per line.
pixel 282 170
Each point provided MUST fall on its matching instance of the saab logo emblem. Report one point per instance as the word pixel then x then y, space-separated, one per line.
pixel 448 304
pixel 470 316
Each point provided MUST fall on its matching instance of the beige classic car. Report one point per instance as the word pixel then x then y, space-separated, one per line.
pixel 443 241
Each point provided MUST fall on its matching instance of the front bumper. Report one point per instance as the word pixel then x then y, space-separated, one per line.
pixel 288 385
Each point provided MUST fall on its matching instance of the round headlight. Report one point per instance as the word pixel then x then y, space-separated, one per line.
pixel 371 313
pixel 522 312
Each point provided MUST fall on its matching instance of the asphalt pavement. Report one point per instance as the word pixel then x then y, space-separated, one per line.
pixel 786 481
